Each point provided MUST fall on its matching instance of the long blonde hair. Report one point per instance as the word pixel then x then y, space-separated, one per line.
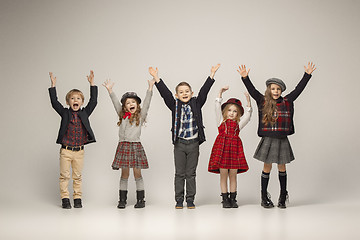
pixel 269 109
pixel 134 117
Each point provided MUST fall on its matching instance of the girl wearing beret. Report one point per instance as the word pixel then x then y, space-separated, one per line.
pixel 275 124
pixel 130 153
pixel 227 155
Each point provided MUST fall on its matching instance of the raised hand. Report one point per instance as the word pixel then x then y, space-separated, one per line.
pixel 213 70
pixel 154 73
pixel 247 99
pixel 243 72
pixel 222 90
pixel 90 78
pixel 310 68
pixel 108 85
pixel 53 79
pixel 151 84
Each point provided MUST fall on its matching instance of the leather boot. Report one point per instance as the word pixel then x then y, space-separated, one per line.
pixel 284 196
pixel 65 203
pixel 77 203
pixel 225 200
pixel 266 200
pixel 140 203
pixel 122 199
pixel 233 200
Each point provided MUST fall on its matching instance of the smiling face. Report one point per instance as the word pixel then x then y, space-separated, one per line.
pixel 184 93
pixel 75 101
pixel 131 105
pixel 275 91
pixel 232 112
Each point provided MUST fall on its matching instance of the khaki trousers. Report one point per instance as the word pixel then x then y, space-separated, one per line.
pixel 75 159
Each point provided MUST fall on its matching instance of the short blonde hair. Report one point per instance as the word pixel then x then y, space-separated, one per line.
pixel 74 91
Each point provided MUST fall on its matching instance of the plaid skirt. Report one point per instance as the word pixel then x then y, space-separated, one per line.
pixel 130 155
pixel 274 150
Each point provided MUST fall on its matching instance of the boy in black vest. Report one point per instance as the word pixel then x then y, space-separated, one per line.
pixel 187 132
pixel 74 133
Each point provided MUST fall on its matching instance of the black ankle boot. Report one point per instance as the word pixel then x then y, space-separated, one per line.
pixel 225 200
pixel 77 203
pixel 122 199
pixel 284 196
pixel 65 203
pixel 140 203
pixel 233 200
pixel 266 200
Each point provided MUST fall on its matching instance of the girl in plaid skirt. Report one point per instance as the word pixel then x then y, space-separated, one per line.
pixel 227 155
pixel 130 153
pixel 275 124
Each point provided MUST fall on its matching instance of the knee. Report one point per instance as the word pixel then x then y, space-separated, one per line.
pixel 267 167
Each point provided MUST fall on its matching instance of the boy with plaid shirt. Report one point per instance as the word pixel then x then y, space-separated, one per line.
pixel 74 133
pixel 187 132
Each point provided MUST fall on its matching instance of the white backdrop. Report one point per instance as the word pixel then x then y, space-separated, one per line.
pixel 121 39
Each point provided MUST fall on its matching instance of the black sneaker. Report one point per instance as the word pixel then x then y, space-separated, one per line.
pixel 65 203
pixel 77 203
pixel 179 204
pixel 190 204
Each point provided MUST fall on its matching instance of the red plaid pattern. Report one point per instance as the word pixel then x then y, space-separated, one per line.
pixel 130 155
pixel 76 134
pixel 283 122
pixel 228 152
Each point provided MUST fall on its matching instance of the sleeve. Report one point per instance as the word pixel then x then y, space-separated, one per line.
pixel 292 96
pixel 254 93
pixel 115 102
pixel 166 94
pixel 92 101
pixel 54 101
pixel 245 118
pixel 218 112
pixel 201 98
pixel 146 105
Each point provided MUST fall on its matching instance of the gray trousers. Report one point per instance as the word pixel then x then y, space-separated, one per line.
pixel 186 156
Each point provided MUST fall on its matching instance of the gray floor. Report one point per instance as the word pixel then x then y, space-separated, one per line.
pixel 301 220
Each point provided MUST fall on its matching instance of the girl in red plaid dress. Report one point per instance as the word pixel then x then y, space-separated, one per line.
pixel 130 153
pixel 227 155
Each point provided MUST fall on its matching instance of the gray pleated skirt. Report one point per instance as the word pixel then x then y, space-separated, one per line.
pixel 274 150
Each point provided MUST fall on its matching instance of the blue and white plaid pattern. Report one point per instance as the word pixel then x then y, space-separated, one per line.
pixel 188 127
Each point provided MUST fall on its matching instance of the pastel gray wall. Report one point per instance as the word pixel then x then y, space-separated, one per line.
pixel 121 39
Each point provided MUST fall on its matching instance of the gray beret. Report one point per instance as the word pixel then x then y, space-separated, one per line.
pixel 129 95
pixel 277 82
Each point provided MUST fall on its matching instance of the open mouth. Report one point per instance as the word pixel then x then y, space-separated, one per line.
pixel 75 105
pixel 132 108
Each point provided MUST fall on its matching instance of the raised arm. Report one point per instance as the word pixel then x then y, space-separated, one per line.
pixel 247 112
pixel 292 96
pixel 58 107
pixel 93 94
pixel 165 93
pixel 109 85
pixel 254 93
pixel 213 70
pixel 147 100
pixel 218 101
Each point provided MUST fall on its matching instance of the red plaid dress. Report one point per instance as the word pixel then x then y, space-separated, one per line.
pixel 227 151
